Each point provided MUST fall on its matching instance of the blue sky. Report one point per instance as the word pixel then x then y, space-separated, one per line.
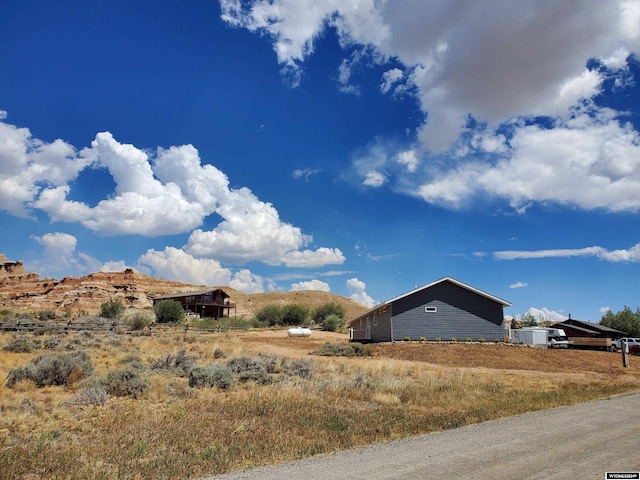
pixel 358 147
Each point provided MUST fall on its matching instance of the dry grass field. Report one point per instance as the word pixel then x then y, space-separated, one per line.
pixel 293 404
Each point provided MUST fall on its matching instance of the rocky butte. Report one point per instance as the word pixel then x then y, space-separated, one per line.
pixel 22 291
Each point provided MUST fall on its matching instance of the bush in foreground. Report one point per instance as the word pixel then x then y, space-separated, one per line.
pixel 126 382
pixel 21 345
pixel 58 369
pixel 255 369
pixel 218 376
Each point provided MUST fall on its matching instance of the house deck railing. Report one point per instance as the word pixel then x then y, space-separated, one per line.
pixel 356 335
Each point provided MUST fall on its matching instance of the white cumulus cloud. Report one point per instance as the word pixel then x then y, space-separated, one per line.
pixel 169 191
pixel 176 264
pixel 311 285
pixel 499 65
pixel 357 288
pixel 60 258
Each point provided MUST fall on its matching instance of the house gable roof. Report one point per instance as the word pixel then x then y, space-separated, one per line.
pixel 504 303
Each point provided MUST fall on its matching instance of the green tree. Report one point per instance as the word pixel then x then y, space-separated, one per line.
pixel 295 314
pixel 331 323
pixel 270 315
pixel 626 321
pixel 168 311
pixel 113 309
pixel 323 311
pixel 528 320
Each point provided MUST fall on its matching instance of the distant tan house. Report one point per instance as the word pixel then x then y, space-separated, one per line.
pixel 205 303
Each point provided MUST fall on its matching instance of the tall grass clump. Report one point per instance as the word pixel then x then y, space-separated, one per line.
pixel 179 363
pixel 95 396
pixel 57 369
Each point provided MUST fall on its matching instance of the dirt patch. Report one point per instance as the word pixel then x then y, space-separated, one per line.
pixel 509 357
pixel 277 342
pixel 460 355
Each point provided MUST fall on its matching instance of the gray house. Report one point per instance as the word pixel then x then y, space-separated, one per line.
pixel 443 309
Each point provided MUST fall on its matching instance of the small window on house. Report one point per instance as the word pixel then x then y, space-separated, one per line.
pixel 375 320
pixel 430 309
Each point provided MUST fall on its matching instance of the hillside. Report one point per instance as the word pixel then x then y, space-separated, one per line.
pixel 22 291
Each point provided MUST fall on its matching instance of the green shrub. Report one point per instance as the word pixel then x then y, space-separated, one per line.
pixel 112 309
pixel 454 339
pixel 218 376
pixel 126 382
pixel 300 367
pixel 331 323
pixel 21 345
pixel 53 369
pixel 353 349
pixel 438 339
pixel 469 339
pixel 321 312
pixel 139 321
pixel 250 369
pixel 482 340
pixel 407 338
pixel 294 314
pixel 423 339
pixel 133 361
pixel 219 353
pixel 270 315
pixel 168 311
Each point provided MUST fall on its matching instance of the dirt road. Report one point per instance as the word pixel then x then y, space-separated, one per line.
pixel 582 441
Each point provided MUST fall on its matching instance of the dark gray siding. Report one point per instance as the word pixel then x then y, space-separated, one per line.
pixel 379 325
pixel 460 314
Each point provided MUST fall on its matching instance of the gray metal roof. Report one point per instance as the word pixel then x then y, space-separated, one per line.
pixel 575 327
pixel 590 325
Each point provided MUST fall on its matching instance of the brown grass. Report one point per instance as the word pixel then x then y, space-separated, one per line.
pixel 180 432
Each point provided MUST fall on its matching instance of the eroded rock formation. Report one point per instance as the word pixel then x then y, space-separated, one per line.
pixel 22 291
